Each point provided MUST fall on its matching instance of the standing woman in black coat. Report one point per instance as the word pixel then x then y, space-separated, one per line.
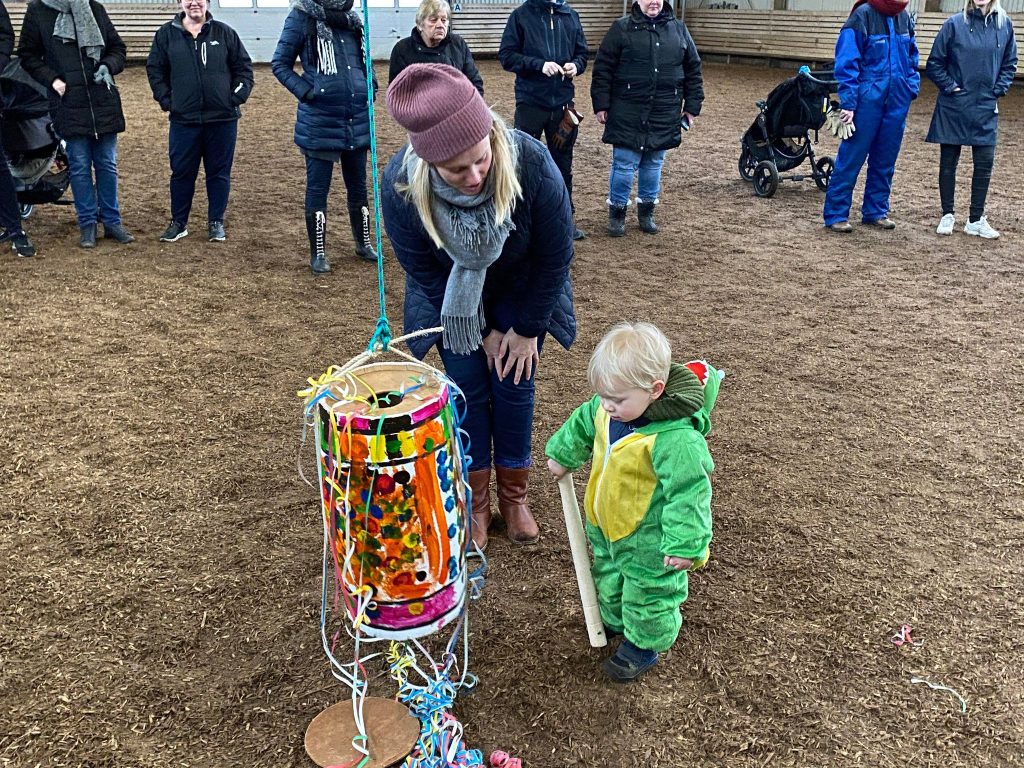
pixel 200 74
pixel 972 61
pixel 432 42
pixel 71 47
pixel 646 85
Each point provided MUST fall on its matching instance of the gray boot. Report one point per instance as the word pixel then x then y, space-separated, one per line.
pixel 616 220
pixel 316 230
pixel 645 215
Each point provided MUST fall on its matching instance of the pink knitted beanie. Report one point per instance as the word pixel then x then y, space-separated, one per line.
pixel 442 111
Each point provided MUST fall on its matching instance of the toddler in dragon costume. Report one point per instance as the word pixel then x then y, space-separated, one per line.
pixel 648 502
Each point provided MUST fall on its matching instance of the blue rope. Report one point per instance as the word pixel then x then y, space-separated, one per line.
pixel 382 334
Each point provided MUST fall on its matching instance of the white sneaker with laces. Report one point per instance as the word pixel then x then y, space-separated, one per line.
pixel 946 224
pixel 980 228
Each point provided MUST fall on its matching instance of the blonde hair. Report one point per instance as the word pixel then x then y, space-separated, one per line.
pixel 504 163
pixel 430 8
pixel 630 355
pixel 994 7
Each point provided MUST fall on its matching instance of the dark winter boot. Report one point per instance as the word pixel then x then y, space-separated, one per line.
pixel 360 220
pixel 480 485
pixel 645 215
pixel 616 220
pixel 512 504
pixel 316 230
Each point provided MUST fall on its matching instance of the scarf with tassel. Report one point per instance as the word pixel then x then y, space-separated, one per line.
pixel 325 16
pixel 474 240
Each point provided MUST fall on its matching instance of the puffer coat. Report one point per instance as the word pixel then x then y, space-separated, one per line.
pixel 646 73
pixel 978 56
pixel 529 281
pixel 332 113
pixel 87 108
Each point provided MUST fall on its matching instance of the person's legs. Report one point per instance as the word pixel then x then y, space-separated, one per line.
pixel 79 151
pixel 318 185
pixel 885 148
pixel 949 157
pixel 218 146
pixel 984 159
pixel 184 149
pixel 472 376
pixel 562 155
pixel 849 160
pixel 649 175
pixel 105 162
pixel 531 120
pixel 625 163
pixel 10 214
pixel 607 579
pixel 353 171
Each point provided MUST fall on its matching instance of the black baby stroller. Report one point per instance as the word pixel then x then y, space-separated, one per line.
pixel 35 155
pixel 779 139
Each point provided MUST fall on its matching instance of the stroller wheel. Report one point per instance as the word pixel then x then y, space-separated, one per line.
pixel 746 165
pixel 25 209
pixel 766 178
pixel 823 174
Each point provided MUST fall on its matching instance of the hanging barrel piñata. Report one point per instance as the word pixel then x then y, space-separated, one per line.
pixel 394 495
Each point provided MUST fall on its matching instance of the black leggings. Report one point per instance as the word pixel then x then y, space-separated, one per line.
pixel 983 157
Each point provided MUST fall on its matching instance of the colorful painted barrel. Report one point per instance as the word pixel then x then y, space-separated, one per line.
pixel 394 495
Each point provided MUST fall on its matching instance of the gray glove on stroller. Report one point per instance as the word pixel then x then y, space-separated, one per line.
pixel 102 76
pixel 835 125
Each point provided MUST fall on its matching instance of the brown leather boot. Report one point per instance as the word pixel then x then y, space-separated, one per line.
pixel 480 484
pixel 512 504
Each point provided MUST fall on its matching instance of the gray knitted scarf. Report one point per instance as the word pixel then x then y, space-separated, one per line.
pixel 327 14
pixel 75 22
pixel 474 240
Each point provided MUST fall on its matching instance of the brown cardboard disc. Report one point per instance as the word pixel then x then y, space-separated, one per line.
pixel 391 733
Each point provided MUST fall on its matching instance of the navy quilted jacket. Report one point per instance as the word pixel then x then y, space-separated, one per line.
pixel 332 114
pixel 530 277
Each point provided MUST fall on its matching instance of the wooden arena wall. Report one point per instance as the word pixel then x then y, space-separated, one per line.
pixel 760 34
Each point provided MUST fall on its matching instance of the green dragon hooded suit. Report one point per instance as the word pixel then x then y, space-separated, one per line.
pixel 649 496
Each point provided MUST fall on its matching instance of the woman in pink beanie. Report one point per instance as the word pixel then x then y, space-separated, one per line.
pixel 479 218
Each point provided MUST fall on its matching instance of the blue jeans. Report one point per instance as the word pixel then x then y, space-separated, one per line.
pixel 214 145
pixel 86 153
pixel 498 413
pixel 627 163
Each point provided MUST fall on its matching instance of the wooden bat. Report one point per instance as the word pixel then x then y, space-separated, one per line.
pixel 581 561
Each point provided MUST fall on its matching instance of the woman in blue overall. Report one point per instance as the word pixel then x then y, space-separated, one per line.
pixel 876 66
pixel 972 61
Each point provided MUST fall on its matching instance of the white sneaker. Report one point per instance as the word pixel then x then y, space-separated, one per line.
pixel 946 224
pixel 980 228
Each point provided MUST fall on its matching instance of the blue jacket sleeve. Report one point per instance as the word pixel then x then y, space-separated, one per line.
pixel 937 67
pixel 289 46
pixel 551 247
pixel 1009 65
pixel 849 48
pixel 510 52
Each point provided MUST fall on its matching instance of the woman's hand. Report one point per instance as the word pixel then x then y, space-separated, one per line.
pixel 59 86
pixel 518 352
pixel 557 469
pixel 846 115
pixel 602 116
pixel 691 119
pixel 491 345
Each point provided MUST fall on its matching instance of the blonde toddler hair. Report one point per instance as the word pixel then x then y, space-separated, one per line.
pixel 630 355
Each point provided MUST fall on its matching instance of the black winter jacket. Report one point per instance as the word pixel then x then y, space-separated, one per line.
pixel 87 108
pixel 452 51
pixel 202 79
pixel 539 31
pixel 529 281
pixel 646 73
pixel 6 36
